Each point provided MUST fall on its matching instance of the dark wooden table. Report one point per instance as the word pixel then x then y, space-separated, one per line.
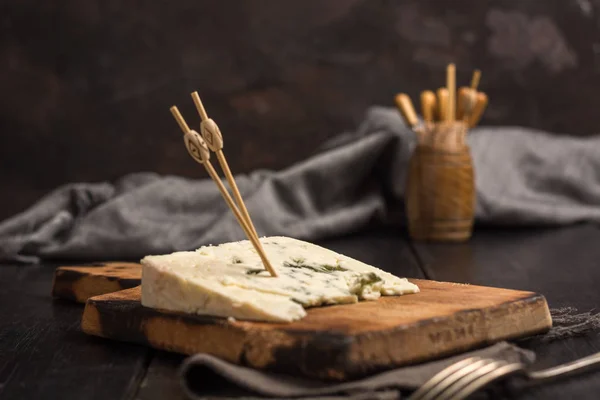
pixel 43 354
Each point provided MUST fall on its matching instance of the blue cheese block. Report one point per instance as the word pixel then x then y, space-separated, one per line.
pixel 229 280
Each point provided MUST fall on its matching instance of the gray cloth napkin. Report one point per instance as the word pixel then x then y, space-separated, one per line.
pixel 206 377
pixel 523 177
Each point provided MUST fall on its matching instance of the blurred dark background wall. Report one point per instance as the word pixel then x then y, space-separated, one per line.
pixel 86 85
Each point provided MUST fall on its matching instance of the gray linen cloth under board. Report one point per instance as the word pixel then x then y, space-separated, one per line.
pixel 356 180
pixel 206 377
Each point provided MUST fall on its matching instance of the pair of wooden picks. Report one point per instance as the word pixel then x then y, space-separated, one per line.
pixel 198 147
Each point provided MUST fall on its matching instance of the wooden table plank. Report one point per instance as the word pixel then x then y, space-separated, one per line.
pixel 563 264
pixel 43 353
pixel 387 250
pixel 161 381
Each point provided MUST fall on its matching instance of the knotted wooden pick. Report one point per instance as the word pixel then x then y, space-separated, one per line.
pixel 212 134
pixel 196 146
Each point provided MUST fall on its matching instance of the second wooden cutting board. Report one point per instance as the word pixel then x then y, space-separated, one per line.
pixel 80 282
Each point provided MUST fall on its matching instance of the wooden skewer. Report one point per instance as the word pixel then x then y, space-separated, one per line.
pixel 213 137
pixel 180 121
pixel 428 109
pixel 478 109
pixel 442 103
pixel 255 242
pixel 406 109
pixel 199 151
pixel 442 112
pixel 451 84
pixel 428 105
pixel 463 93
pixel 475 79
pixel 199 106
pixel 469 101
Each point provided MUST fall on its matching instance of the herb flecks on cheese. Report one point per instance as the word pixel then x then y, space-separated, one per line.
pixel 229 280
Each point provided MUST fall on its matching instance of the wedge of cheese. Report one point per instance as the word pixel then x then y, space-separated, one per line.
pixel 229 280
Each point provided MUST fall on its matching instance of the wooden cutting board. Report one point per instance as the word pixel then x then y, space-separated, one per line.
pixel 335 342
pixel 80 282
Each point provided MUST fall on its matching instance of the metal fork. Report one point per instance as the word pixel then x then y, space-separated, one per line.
pixel 465 377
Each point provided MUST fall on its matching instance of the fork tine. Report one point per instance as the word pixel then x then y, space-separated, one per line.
pixel 484 380
pixel 441 385
pixel 437 378
pixel 463 378
pixel 457 384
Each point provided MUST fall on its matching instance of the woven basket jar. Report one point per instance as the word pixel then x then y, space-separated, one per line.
pixel 440 191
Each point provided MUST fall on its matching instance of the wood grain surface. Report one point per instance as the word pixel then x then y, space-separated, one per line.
pixel 337 342
pixel 440 194
pixel 80 282
pixel 44 355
